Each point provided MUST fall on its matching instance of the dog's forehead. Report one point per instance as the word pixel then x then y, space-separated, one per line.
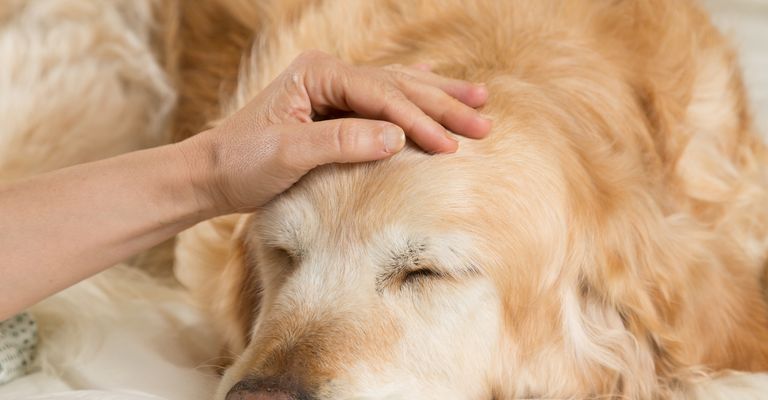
pixel 361 202
pixel 450 247
pixel 297 227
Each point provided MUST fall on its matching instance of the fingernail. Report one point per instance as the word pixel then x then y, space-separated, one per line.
pixel 394 139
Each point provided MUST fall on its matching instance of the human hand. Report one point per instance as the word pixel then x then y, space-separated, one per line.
pixel 269 144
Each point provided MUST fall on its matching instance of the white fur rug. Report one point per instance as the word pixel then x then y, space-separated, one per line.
pixel 121 336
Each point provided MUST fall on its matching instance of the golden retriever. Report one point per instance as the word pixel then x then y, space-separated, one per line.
pixel 608 240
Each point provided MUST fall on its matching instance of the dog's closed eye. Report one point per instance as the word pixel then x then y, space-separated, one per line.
pixel 289 255
pixel 400 276
pixel 285 256
pixel 418 265
pixel 415 275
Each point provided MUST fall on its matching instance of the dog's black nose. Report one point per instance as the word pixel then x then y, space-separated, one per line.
pixel 252 388
pixel 259 395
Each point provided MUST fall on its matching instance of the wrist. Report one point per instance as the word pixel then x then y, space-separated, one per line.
pixel 197 158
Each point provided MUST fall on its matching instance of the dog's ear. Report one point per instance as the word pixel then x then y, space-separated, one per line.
pixel 237 293
pixel 212 262
pixel 690 297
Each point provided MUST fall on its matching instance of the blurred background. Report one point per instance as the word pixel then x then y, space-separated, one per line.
pixel 746 23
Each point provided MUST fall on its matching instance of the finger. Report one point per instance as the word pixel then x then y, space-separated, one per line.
pixel 369 92
pixel 382 100
pixel 344 140
pixel 446 110
pixel 471 94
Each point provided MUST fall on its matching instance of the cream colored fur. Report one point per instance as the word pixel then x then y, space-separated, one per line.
pixel 79 80
pixel 608 239
pixel 85 79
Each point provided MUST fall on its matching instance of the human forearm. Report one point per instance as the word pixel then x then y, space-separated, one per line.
pixel 64 226
pixel 61 227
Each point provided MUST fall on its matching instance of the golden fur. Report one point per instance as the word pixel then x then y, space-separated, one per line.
pixel 608 239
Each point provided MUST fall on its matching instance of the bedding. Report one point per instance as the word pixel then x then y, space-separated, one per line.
pixel 101 341
pixel 96 395
pixel 18 340
pixel 135 338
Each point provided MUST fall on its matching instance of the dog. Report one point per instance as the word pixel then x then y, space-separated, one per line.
pixel 607 240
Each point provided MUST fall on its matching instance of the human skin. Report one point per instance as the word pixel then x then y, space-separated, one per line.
pixel 64 226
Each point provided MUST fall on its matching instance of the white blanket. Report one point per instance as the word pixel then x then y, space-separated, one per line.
pixel 95 395
pixel 125 335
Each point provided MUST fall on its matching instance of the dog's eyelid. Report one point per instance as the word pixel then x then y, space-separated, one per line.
pixel 292 254
pixel 423 267
pixel 433 268
pixel 444 271
pixel 422 273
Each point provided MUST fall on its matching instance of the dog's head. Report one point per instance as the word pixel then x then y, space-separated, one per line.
pixel 423 276
pixel 373 281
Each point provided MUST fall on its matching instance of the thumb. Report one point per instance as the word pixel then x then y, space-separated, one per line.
pixel 344 140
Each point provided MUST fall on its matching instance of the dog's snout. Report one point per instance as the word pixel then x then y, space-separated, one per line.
pixel 260 395
pixel 266 389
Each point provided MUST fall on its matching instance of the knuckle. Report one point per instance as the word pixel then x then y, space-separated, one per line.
pixel 403 76
pixel 271 116
pixel 392 93
pixel 393 100
pixel 344 138
pixel 401 80
pixel 342 76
